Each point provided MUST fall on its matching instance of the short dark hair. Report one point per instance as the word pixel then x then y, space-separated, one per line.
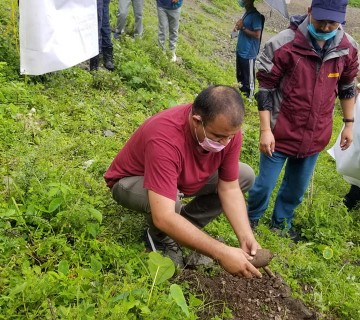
pixel 220 99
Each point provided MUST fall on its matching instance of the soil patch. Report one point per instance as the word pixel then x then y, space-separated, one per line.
pixel 265 298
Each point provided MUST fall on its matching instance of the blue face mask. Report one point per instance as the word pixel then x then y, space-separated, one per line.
pixel 241 3
pixel 321 36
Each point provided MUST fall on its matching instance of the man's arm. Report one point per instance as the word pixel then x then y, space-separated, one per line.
pixel 267 140
pixel 347 106
pixel 233 204
pixel 250 33
pixel 233 260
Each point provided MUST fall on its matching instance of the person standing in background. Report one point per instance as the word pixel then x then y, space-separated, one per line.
pixel 169 15
pixel 301 71
pixel 138 6
pixel 105 44
pixel 250 28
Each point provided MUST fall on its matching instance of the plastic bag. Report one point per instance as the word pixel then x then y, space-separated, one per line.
pixel 348 161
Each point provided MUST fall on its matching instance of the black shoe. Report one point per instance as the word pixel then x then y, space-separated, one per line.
pixel 254 224
pixel 94 63
pixel 167 246
pixel 352 198
pixel 108 58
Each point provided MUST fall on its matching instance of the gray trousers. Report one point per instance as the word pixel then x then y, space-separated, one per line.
pixel 124 5
pixel 168 19
pixel 202 209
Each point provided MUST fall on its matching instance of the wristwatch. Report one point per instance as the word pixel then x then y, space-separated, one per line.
pixel 243 28
pixel 348 120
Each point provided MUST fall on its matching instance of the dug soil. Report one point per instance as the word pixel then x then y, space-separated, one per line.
pixel 255 299
pixel 269 297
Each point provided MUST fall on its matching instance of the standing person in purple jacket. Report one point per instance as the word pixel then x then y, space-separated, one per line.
pixel 301 72
pixel 169 15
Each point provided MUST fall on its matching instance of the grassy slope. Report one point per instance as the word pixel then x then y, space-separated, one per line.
pixel 60 132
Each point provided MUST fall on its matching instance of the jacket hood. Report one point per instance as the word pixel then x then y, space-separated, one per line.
pixel 296 20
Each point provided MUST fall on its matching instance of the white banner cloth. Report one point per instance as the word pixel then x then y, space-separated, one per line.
pixel 348 161
pixel 56 34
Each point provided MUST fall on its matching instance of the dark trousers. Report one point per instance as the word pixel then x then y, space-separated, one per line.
pixel 245 74
pixel 104 24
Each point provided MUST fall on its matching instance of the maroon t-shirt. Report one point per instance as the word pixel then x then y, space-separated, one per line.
pixel 163 150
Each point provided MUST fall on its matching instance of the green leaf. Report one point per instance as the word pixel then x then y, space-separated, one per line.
pixel 63 267
pixel 178 296
pixel 195 302
pixel 93 229
pixel 95 264
pixel 96 214
pixel 328 253
pixel 19 288
pixel 55 204
pixel 161 268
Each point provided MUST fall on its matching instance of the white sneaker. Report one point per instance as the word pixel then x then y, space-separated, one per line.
pixel 173 57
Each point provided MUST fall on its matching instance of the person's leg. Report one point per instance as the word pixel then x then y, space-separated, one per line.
pixel 238 68
pixel 245 66
pixel 260 193
pixel 252 77
pixel 100 13
pixel 105 26
pixel 206 204
pixel 122 15
pixel 352 198
pixel 298 172
pixel 243 74
pixel 94 61
pixel 174 19
pixel 130 193
pixel 138 6
pixel 106 44
pixel 162 26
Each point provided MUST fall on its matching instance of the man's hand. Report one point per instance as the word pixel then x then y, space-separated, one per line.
pixel 250 245
pixel 236 262
pixel 239 25
pixel 346 136
pixel 267 142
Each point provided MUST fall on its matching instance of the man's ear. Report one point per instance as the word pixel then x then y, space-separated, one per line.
pixel 309 10
pixel 196 120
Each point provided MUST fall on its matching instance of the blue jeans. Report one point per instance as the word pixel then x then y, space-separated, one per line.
pixel 104 24
pixel 296 179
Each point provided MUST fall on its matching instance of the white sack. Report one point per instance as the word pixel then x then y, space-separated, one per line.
pixel 56 34
pixel 348 161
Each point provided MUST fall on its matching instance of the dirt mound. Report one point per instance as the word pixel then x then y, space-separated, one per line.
pixel 266 298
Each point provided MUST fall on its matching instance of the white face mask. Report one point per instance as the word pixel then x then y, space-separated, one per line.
pixel 208 144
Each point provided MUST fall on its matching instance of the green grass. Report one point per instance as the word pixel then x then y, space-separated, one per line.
pixel 66 249
pixel 354 3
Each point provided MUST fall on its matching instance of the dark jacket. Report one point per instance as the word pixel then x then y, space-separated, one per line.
pixel 299 87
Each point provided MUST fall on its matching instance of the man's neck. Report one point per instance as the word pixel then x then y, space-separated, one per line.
pixel 321 43
pixel 250 8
